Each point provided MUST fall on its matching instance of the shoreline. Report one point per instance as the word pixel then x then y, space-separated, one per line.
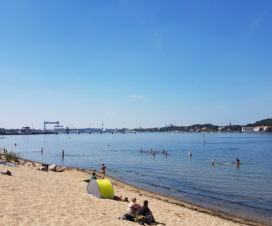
pixel 164 198
pixel 191 206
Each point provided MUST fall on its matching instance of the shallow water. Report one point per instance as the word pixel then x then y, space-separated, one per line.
pixel 245 191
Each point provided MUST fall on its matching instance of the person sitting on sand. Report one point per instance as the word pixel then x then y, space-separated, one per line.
pixel 146 212
pixel 94 177
pixel 6 173
pixel 132 207
pixel 131 210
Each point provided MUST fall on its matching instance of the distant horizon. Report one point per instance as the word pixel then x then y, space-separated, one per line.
pixel 143 127
pixel 135 63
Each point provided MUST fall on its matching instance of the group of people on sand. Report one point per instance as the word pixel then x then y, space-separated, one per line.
pixel 141 214
pixel 135 212
pixel 103 172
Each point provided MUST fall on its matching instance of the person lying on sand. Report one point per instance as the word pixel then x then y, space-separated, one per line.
pixel 2 161
pixel 6 173
pixel 119 198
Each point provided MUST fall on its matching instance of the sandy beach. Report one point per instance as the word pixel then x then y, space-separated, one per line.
pixel 34 197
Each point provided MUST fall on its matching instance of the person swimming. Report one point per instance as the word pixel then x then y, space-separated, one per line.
pixel 237 162
pixel 190 154
pixel 213 162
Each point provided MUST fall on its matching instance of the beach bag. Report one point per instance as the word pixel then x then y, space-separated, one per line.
pixel 140 219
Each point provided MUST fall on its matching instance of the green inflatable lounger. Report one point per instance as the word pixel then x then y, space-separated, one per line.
pixel 100 188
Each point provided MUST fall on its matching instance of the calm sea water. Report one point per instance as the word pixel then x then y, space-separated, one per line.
pixel 245 191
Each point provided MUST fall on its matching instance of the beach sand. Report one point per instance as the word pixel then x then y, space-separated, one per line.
pixel 33 197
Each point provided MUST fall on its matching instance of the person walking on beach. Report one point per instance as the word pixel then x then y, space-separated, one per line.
pixel 103 170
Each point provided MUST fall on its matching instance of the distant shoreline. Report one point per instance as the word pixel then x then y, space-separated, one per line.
pixel 2 136
pixel 262 126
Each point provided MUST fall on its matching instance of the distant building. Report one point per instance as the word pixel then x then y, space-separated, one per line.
pixel 221 128
pixel 258 129
pixel 247 129
pixel 25 130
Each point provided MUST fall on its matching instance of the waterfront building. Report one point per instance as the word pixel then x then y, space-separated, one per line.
pixel 258 129
pixel 247 129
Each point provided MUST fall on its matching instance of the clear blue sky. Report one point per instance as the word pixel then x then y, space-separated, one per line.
pixel 135 63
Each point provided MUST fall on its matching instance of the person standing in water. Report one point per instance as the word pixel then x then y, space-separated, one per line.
pixel 237 162
pixel 213 162
pixel 103 170
pixel 62 154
